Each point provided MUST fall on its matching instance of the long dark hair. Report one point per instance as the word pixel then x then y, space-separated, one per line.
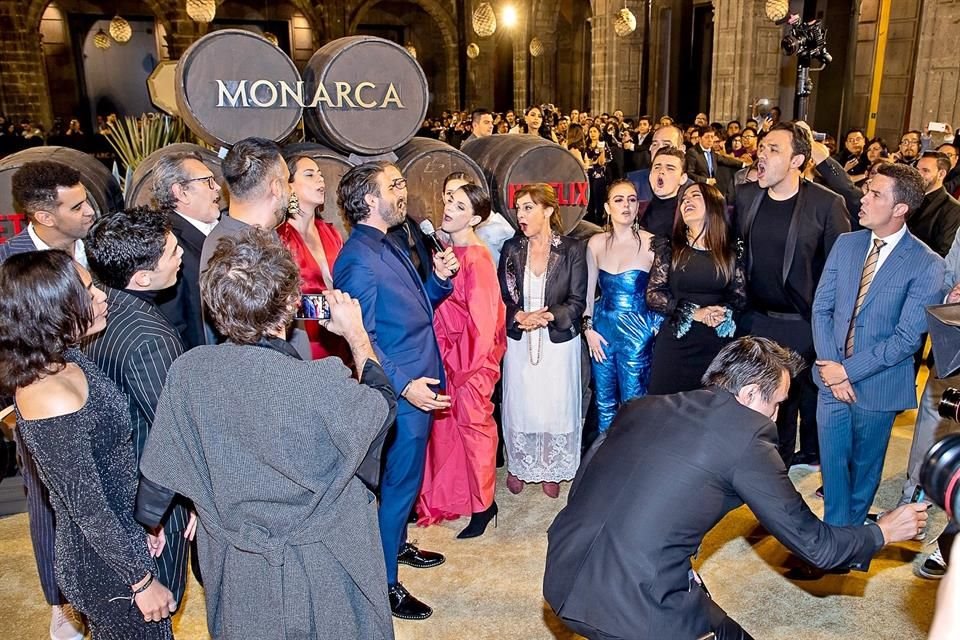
pixel 44 309
pixel 716 234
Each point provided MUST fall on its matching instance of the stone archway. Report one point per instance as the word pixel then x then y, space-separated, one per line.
pixel 448 95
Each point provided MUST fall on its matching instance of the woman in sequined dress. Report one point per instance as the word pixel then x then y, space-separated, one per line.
pixel 75 423
pixel 543 282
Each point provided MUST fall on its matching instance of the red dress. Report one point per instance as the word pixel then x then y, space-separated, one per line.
pixel 460 470
pixel 322 342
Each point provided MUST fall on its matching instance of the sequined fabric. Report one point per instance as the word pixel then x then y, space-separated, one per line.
pixel 87 462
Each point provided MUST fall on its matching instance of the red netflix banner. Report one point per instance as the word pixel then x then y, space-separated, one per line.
pixel 573 194
pixel 11 224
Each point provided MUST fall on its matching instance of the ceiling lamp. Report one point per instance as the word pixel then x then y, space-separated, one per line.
pixel 625 23
pixel 536 47
pixel 272 38
pixel 484 20
pixel 473 50
pixel 412 50
pixel 202 10
pixel 120 30
pixel 101 40
pixel 777 10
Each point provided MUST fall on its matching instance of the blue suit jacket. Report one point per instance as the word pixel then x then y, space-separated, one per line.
pixel 891 321
pixel 397 307
pixel 20 243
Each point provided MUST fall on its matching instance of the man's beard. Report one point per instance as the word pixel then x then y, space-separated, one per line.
pixel 394 215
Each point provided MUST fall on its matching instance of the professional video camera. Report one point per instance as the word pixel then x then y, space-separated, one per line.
pixel 940 474
pixel 807 41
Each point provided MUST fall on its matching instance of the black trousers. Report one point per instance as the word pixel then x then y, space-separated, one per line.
pixel 800 407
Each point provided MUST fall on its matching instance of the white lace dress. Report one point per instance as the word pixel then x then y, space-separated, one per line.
pixel 541 402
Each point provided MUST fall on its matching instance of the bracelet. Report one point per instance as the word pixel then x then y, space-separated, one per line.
pixel 836 383
pixel 587 323
pixel 143 587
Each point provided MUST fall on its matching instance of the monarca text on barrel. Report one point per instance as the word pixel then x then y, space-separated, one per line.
pixel 265 94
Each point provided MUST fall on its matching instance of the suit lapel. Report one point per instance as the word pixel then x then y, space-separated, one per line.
pixel 892 266
pixel 412 281
pixel 792 233
pixel 188 234
pixel 748 218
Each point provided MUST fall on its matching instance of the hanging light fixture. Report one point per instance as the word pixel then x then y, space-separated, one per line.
pixel 101 40
pixel 412 50
pixel 484 20
pixel 120 30
pixel 536 47
pixel 777 10
pixel 202 10
pixel 272 38
pixel 625 23
pixel 473 50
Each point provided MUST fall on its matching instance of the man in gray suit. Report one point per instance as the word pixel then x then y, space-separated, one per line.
pixel 868 318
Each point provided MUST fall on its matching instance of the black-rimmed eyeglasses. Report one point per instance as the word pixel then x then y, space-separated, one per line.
pixel 210 180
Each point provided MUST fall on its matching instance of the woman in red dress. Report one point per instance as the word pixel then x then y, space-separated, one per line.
pixel 460 472
pixel 315 245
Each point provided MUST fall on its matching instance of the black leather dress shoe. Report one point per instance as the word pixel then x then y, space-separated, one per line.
pixel 411 556
pixel 806 572
pixel 405 606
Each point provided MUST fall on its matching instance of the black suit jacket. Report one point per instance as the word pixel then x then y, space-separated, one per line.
pixel 669 470
pixel 181 303
pixel 639 158
pixel 839 181
pixel 696 165
pixel 566 286
pixel 819 217
pixel 936 222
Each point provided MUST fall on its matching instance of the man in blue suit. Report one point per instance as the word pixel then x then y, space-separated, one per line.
pixel 398 315
pixel 868 318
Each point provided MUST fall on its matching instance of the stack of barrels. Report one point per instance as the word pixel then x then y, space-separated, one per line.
pixel 362 98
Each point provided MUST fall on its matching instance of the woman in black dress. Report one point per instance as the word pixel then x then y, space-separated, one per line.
pixel 75 423
pixel 698 284
pixel 595 158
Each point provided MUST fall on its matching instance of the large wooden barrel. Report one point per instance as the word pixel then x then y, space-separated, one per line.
pixel 103 191
pixel 234 84
pixel 333 166
pixel 368 95
pixel 425 163
pixel 140 189
pixel 512 161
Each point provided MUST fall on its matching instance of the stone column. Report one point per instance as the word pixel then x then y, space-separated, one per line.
pixel 480 69
pixel 616 61
pixel 746 58
pixel 936 86
pixel 23 76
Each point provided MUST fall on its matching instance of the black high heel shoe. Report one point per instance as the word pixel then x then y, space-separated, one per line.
pixel 479 521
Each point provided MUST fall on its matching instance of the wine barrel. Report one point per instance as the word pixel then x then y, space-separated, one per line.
pixel 103 190
pixel 140 189
pixel 333 166
pixel 367 95
pixel 512 161
pixel 234 84
pixel 425 163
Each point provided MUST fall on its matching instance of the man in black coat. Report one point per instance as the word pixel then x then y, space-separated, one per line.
pixel 936 222
pixel 788 226
pixel 618 556
pixel 134 255
pixel 186 188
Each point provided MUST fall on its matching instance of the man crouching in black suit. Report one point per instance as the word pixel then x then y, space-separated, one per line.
pixel 618 560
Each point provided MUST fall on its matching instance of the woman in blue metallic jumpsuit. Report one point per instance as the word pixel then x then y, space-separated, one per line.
pixel 621 330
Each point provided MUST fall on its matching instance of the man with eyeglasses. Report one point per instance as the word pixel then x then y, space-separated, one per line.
pixel 398 315
pixel 185 188
pixel 952 182
pixel 909 152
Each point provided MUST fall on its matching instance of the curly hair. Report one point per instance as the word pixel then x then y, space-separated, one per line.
pixel 44 309
pixel 251 285
pixel 123 242
pixel 355 185
pixel 35 185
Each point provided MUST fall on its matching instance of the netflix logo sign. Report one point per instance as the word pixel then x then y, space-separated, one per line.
pixel 569 194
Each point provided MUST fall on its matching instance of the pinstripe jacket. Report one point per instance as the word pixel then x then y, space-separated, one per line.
pixel 20 243
pixel 890 323
pixel 135 351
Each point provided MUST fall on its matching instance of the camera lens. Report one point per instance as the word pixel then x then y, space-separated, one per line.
pixel 949 406
pixel 940 474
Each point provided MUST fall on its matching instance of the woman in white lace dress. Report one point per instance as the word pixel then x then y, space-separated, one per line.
pixel 543 281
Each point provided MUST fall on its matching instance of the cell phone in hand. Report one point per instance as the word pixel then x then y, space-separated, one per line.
pixel 313 306
pixel 918 495
pixel 939 127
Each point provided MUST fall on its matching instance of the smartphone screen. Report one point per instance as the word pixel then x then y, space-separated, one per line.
pixel 313 306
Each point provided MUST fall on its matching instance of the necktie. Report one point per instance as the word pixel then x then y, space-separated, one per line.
pixel 709 163
pixel 869 269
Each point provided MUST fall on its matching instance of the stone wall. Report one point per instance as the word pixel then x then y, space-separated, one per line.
pixel 936 88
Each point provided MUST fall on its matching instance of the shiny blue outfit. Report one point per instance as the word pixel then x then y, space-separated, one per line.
pixel 622 318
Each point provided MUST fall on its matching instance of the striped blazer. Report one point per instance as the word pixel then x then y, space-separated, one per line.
pixel 890 323
pixel 20 243
pixel 135 351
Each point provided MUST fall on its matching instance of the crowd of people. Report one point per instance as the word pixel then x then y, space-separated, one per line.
pixel 172 401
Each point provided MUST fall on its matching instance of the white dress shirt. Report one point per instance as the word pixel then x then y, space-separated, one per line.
pixel 891 241
pixel 203 227
pixel 79 254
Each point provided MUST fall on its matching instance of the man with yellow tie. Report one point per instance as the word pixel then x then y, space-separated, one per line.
pixel 868 318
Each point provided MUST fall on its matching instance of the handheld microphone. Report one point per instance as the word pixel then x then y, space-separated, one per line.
pixel 426 227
